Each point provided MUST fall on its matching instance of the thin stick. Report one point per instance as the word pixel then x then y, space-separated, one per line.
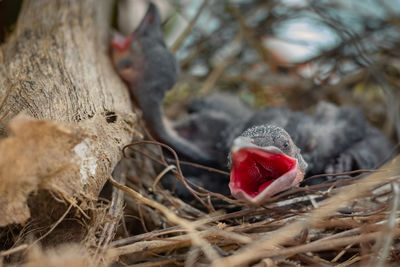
pixel 115 211
pixel 326 245
pixel 206 220
pixel 189 28
pixel 13 250
pixel 142 222
pixel 173 243
pixel 196 165
pixel 341 253
pixel 350 261
pixel 259 249
pixel 387 238
pixel 158 178
pixel 340 174
pixel 172 217
pixel 52 227
pixel 178 171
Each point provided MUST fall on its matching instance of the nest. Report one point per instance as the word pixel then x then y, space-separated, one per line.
pixel 351 220
pixel 344 222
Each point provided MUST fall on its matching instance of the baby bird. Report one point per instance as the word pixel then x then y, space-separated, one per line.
pixel 264 161
pixel 144 62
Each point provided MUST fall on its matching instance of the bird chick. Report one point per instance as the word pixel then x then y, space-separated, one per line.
pixel 144 62
pixel 264 161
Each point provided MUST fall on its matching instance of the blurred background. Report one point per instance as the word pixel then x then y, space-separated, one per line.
pixel 292 53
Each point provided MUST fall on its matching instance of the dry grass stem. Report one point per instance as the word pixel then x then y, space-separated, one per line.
pixel 188 28
pixel 386 239
pixel 197 240
pixel 13 250
pixel 52 227
pixel 328 207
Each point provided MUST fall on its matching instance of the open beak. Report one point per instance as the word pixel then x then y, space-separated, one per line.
pixel 120 42
pixel 258 173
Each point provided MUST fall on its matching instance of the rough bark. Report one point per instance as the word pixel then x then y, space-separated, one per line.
pixel 77 113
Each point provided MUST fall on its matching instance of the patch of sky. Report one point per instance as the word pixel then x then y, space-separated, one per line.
pixel 303 38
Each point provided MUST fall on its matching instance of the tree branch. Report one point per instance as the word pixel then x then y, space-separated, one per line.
pixel 56 69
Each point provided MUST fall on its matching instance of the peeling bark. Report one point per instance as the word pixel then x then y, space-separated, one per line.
pixel 55 69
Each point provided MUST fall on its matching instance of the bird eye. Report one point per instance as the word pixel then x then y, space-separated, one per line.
pixel 125 64
pixel 286 144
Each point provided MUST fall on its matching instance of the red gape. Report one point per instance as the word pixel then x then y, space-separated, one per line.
pixel 255 169
pixel 120 42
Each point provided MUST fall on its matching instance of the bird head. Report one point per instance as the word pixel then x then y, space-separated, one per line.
pixel 264 161
pixel 127 51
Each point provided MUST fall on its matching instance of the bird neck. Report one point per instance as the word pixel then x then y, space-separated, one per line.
pixel 162 128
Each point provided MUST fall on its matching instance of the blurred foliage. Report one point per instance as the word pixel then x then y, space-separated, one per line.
pixel 294 53
pixel 287 52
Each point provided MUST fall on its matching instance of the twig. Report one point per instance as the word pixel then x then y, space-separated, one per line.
pixel 340 174
pixel 158 178
pixel 140 213
pixel 189 27
pixel 178 171
pixel 196 165
pixel 192 257
pixel 173 229
pixel 175 242
pixel 350 261
pixel 341 253
pixel 115 211
pixel 52 227
pixel 325 245
pixel 387 238
pixel 13 250
pixel 206 247
pixel 179 174
pixel 258 249
pixel 312 200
